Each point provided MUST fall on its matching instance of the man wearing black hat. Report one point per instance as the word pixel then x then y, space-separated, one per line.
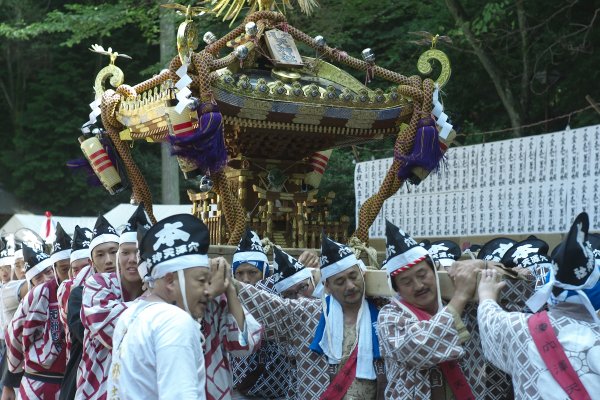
pixel 344 360
pixel 554 354
pixel 105 297
pixel 421 339
pixel 35 338
pixel 79 258
pixel 103 248
pixel 157 343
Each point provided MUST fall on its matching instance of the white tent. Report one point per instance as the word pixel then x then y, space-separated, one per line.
pixel 117 217
pixel 37 223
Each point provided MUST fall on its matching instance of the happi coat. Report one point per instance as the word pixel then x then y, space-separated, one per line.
pixel 508 344
pixel 102 304
pixel 293 322
pixel 35 341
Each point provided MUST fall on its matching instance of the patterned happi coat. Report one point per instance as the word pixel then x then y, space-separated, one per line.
pixel 224 338
pixel 35 340
pixel 442 344
pixel 412 349
pixel 293 322
pixel 277 377
pixel 507 343
pixel 102 304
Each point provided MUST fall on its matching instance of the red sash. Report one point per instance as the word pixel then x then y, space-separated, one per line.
pixel 554 356
pixel 343 379
pixel 450 369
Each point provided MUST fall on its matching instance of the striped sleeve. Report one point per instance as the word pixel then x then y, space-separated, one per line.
pixel 102 304
pixel 239 342
pixel 14 337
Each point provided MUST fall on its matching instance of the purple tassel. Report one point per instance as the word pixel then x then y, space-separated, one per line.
pixel 426 152
pixel 82 164
pixel 206 147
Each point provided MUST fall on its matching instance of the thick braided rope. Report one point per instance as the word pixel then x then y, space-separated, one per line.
pixel 403 145
pixel 141 192
pixel 235 215
pixel 152 82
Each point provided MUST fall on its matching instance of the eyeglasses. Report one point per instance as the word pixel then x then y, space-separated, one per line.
pixel 293 294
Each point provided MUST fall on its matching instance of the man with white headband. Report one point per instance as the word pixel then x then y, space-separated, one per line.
pixel 421 339
pixel 553 354
pixel 157 343
pixel 105 297
pixel 344 360
pixel 35 338
pixel 250 263
pixel 79 258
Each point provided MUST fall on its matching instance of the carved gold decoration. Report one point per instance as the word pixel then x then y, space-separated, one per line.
pixel 424 65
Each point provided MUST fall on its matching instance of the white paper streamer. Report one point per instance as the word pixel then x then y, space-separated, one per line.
pixel 183 92
pixel 438 112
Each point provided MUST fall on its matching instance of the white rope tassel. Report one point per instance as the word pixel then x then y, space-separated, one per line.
pixel 441 117
pixel 183 92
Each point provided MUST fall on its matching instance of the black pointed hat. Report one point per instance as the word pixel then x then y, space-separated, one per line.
pixel 175 243
pixel 402 250
pixel 526 253
pixel 137 219
pixel 249 249
pixel 495 249
pixel 574 258
pixel 335 258
pixel 445 252
pixel 287 271
pixel 103 233
pixel 35 262
pixel 80 248
pixel 61 248
pixel 5 257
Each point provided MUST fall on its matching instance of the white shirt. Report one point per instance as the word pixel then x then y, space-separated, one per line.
pixel 9 301
pixel 157 354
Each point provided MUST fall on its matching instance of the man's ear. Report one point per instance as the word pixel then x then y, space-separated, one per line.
pixel 169 278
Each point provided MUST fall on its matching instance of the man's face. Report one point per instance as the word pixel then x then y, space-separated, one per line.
pixel 104 257
pixel 128 262
pixel 300 289
pixel 19 268
pixel 196 290
pixel 45 276
pixel 62 269
pixel 248 274
pixel 347 287
pixel 5 273
pixel 417 286
pixel 77 265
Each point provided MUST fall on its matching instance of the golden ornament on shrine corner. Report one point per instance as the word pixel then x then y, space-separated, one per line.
pixel 187 33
